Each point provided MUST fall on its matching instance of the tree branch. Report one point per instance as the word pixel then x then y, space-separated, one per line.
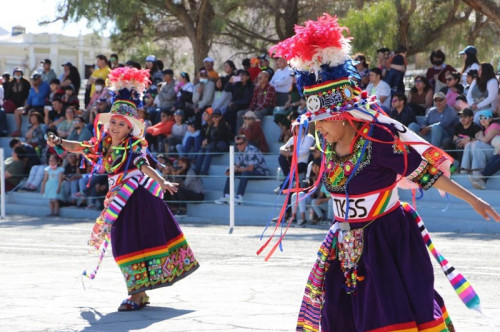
pixel 486 7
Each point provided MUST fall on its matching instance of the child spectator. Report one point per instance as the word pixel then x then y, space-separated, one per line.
pixel 178 131
pixel 100 92
pixel 191 142
pixel 162 129
pixel 70 185
pixel 51 184
pixel 69 98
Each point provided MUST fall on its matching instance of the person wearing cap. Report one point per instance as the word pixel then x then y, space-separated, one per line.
pixel 101 106
pixel 249 164
pixel 281 81
pixel 465 133
pixel 439 123
pixel 379 88
pixel 37 97
pixel 436 74
pixel 208 63
pixel 135 219
pixel 469 55
pixel 480 151
pixel 48 74
pixel 71 76
pixel 17 90
pixel 167 96
pixel 264 64
pixel 483 93
pixel 80 132
pixel 102 71
pixel 155 74
pixel 252 129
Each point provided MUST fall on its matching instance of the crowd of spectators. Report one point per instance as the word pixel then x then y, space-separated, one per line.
pixel 188 121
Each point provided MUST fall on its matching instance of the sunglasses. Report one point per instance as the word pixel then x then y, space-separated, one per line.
pixel 449 79
pixel 438 100
pixel 483 117
pixel 240 143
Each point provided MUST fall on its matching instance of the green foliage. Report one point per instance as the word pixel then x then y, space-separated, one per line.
pixel 372 28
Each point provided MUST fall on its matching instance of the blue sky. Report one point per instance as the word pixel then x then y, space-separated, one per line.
pixel 35 11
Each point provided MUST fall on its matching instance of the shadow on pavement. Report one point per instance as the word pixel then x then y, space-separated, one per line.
pixel 126 321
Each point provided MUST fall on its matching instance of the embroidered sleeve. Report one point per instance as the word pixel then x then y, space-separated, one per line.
pixel 89 149
pixel 140 161
pixel 425 175
pixel 139 155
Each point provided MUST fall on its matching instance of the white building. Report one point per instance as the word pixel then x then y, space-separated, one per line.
pixel 26 50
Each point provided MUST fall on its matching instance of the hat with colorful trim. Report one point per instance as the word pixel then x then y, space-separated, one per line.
pixel 320 55
pixel 127 86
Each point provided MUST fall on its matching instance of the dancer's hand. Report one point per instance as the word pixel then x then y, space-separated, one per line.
pixel 169 186
pixel 53 140
pixel 485 210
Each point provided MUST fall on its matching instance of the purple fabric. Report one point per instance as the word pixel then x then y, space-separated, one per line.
pixel 399 279
pixel 145 222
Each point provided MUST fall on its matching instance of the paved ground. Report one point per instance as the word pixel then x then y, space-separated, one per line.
pixel 234 290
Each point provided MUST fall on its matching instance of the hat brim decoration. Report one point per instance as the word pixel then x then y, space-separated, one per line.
pixel 127 86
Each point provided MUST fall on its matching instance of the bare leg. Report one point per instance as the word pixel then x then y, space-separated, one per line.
pixel 18 113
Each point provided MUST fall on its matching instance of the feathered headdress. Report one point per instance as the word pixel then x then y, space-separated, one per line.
pixel 127 86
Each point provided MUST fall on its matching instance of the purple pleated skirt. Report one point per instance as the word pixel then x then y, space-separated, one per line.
pixel 148 244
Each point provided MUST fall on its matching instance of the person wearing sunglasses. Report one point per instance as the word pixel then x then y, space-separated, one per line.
pixel 480 151
pixel 436 74
pixel 400 111
pixel 439 123
pixel 453 88
pixel 420 97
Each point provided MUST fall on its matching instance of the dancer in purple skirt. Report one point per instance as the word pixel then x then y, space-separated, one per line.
pixel 373 271
pixel 148 244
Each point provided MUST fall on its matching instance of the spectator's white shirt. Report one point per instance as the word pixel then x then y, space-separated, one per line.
pixel 1 95
pixel 381 90
pixel 491 99
pixel 305 147
pixel 282 81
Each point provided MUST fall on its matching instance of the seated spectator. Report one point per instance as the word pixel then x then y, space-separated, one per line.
pixel 222 98
pixel 154 71
pixel 101 107
pixel 479 152
pixel 190 187
pixel 150 105
pixel 241 89
pixel 56 114
pixel 471 77
pixel 264 64
pixel 252 129
pixel 379 88
pixel 263 99
pixel 420 98
pixel 56 90
pixel 249 164
pixel 191 142
pixel 453 88
pixel 93 189
pixel 215 140
pixel 71 76
pixel 14 168
pixel 439 123
pixel 162 129
pixel 80 131
pixel 322 204
pixel 66 126
pixel 363 68
pixel 71 179
pixel 178 130
pixel 164 166
pixel 302 202
pixel 203 96
pixel 483 94
pixel 32 158
pixel 465 132
pixel 69 98
pixel 37 97
pixel 184 89
pixel 16 91
pixel 400 111
pixel 36 131
pixel 230 71
pixel 436 75
pixel 286 153
pixel 167 96
pixel 208 63
pixel 469 55
pixel 281 81
pixel 492 166
pixel 142 114
pixel 253 68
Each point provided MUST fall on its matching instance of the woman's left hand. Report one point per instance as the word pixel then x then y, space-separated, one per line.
pixel 485 210
pixel 169 186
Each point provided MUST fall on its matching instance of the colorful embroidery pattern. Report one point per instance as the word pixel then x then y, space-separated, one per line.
pixel 157 267
pixel 338 169
pixel 427 176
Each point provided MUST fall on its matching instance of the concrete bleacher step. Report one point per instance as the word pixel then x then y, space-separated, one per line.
pixel 11 123
pixel 271 129
pixel 254 186
pixel 38 211
pixel 246 214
